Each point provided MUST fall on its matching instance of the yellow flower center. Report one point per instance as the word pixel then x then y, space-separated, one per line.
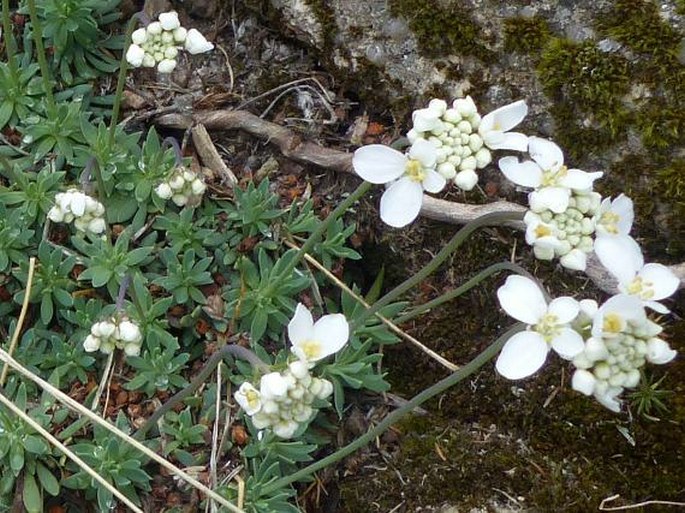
pixel 642 288
pixel 612 323
pixel 311 349
pixel 551 177
pixel 414 170
pixel 610 222
pixel 542 231
pixel 548 327
pixel 252 397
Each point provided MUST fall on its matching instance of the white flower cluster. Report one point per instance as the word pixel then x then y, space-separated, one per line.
pixel 622 340
pixel 563 206
pixel 284 400
pixel 608 345
pixel 463 140
pixel 86 213
pixel 182 186
pixel 158 44
pixel 114 333
pixel 446 144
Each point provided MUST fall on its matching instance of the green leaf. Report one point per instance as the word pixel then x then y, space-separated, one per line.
pixel 17 457
pixel 33 502
pixel 47 479
pixel 121 208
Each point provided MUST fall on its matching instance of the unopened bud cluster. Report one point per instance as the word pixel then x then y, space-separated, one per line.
pixel 566 235
pixel 85 212
pixel 158 44
pixel 183 187
pixel 119 333
pixel 454 132
pixel 284 399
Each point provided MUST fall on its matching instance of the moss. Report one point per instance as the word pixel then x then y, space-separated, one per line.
pixel 680 7
pixel 587 87
pixel 326 17
pixel 526 34
pixel 661 124
pixel 454 34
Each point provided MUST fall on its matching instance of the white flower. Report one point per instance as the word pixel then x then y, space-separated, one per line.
pixel 312 341
pixel 547 174
pixel 548 326
pixel 139 36
pixel 539 233
pixel 97 225
pixel 149 61
pixel 196 43
pixel 299 369
pixel 180 34
pixel 659 352
pixel 615 217
pixel 623 258
pixel 466 107
pixel 129 332
pixel 285 428
pixel 494 127
pixel 166 65
pixel 132 349
pixel 617 314
pixel 154 28
pixel 583 381
pixel 576 260
pixel 55 214
pixel 135 55
pixel 163 191
pixel 91 343
pixel 410 176
pixel 428 119
pixel 273 386
pixel 248 398
pixel 169 20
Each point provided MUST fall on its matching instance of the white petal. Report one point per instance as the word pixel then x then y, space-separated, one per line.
pixel 664 282
pixel 583 382
pixel 526 173
pixel 505 118
pixel 139 36
pixel 135 55
pixel 575 260
pixel 333 332
pixel 595 349
pixel 578 179
pixel 621 256
pixel 509 141
pixel 568 343
pixel 301 326
pixel 522 299
pixel 78 204
pixel 196 43
pixel 547 154
pixel 659 352
pixel 433 182
pixel 425 152
pixel 657 307
pixel 401 203
pixel 623 207
pixel 550 198
pixel 565 308
pixel 379 164
pixel 169 20
pixel 166 65
pixel 609 400
pixel 273 385
pixel 427 120
pixel 522 355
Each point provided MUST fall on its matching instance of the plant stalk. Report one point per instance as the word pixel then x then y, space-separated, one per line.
pixel 451 380
pixel 447 296
pixel 42 60
pixel 121 80
pixel 456 241
pixel 232 349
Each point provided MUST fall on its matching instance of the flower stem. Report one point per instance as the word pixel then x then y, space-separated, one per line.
pixel 171 142
pixel 447 296
pixel 42 60
pixel 10 43
pixel 123 287
pixel 395 416
pixel 456 241
pixel 121 80
pixel 232 349
pixel 316 235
